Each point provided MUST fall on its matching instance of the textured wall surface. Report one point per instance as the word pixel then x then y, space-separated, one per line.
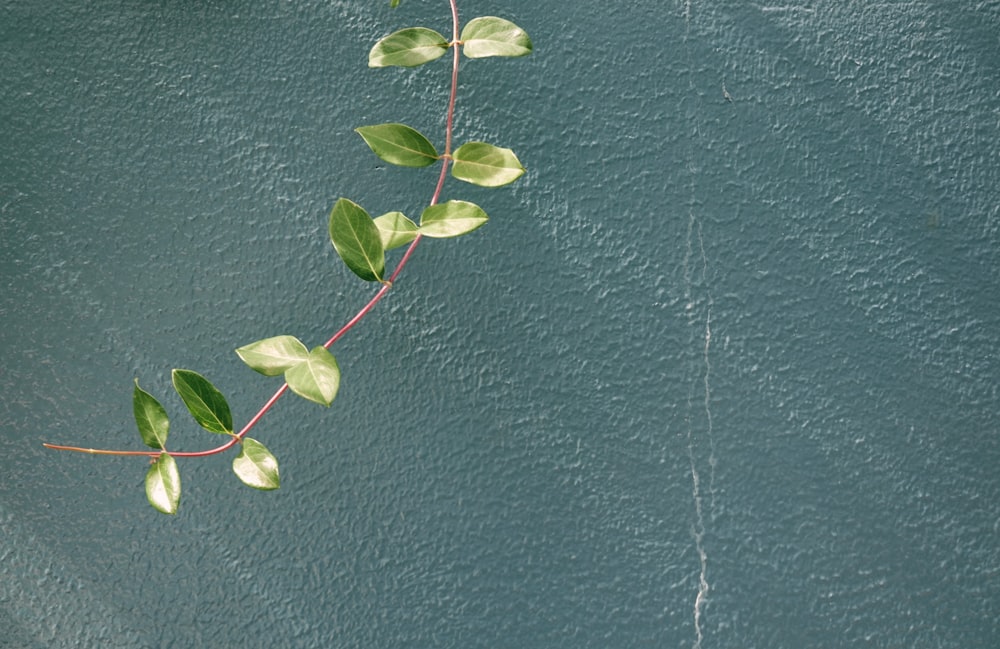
pixel 722 371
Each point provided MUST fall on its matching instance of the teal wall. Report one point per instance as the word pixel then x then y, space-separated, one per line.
pixel 737 328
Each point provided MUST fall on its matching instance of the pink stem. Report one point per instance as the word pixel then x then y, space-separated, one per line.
pixel 445 159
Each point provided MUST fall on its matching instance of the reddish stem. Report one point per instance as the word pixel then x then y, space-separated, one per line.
pixel 445 160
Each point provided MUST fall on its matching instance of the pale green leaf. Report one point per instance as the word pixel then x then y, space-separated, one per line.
pixel 399 144
pixel 205 403
pixel 395 230
pixel 408 48
pixel 150 417
pixel 393 4
pixel 256 467
pixel 356 239
pixel 163 484
pixel 491 36
pixel 451 219
pixel 317 378
pixel 485 165
pixel 272 356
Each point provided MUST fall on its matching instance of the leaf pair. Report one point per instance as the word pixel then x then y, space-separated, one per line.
pixel 205 403
pixel 478 163
pixel 450 219
pixel 313 375
pixel 482 37
pixel 361 241
pixel 255 466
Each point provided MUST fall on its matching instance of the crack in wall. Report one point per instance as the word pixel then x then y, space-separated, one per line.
pixel 701 367
pixel 705 370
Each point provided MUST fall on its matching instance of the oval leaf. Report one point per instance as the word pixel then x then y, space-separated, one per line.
pixel 395 230
pixel 317 378
pixel 356 239
pixel 150 417
pixel 485 165
pixel 399 144
pixel 451 219
pixel 205 403
pixel 491 36
pixel 163 484
pixel 408 48
pixel 272 356
pixel 256 467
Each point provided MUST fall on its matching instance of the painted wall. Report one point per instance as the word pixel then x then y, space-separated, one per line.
pixel 721 371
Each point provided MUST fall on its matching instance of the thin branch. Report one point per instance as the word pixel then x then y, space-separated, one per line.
pixel 386 286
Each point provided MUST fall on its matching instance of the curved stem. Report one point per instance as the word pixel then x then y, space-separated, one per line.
pixel 386 286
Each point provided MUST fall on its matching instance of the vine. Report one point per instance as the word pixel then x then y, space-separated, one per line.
pixel 361 242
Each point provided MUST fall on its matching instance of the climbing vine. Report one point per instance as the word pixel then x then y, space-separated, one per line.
pixel 361 241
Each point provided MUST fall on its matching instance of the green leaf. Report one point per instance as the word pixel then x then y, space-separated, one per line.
pixel 451 219
pixel 150 417
pixel 272 356
pixel 395 230
pixel 256 467
pixel 393 4
pixel 408 48
pixel 317 378
pixel 491 36
pixel 485 165
pixel 205 403
pixel 163 484
pixel 356 239
pixel 399 144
